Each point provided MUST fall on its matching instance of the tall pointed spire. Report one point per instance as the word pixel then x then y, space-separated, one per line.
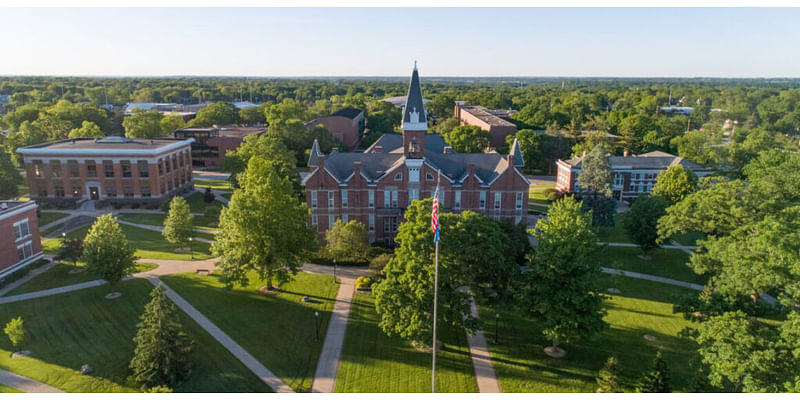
pixel 314 156
pixel 516 154
pixel 414 116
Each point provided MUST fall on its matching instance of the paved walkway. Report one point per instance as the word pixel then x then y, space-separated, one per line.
pixel 653 278
pixel 687 249
pixel 238 351
pixel 482 358
pixel 25 279
pixel 25 384
pixel 328 364
pixel 161 228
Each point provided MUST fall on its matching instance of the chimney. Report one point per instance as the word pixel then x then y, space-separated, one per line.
pixel 356 168
pixel 321 161
pixel 470 169
pixel 447 150
pixel 377 149
pixel 625 153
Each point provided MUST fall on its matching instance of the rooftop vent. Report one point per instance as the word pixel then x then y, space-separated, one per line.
pixel 114 139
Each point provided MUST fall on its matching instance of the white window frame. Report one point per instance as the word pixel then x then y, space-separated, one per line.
pixel 19 234
pixel 394 198
pixel 345 218
pixel 518 204
pixel 331 199
pixel 331 221
pixel 372 222
pixel 371 198
pixel 482 201
pixel 498 200
pixel 344 198
pixel 314 220
pixel 457 204
pixel 313 199
pixel 413 194
pixel 398 176
pixel 387 198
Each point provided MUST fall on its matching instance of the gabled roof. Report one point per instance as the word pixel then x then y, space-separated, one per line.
pixel 393 143
pixel 414 116
pixel 651 160
pixel 373 165
pixel 349 112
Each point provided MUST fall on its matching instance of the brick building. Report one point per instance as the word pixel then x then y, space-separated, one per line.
pixel 633 175
pixel 111 170
pixel 211 144
pixel 493 121
pixel 346 125
pixel 376 186
pixel 19 236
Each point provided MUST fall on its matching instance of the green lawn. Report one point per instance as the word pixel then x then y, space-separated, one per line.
pixel 200 221
pixel 374 362
pixel 227 195
pixel 642 308
pixel 668 263
pixel 689 239
pixel 47 217
pixel 197 204
pixel 148 244
pixel 217 184
pixel 613 234
pixel 536 193
pixel 68 330
pixel 9 389
pixel 277 328
pixel 59 276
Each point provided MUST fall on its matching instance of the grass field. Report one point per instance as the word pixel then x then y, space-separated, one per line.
pixel 148 244
pixel 68 330
pixel 59 276
pixel 199 221
pixel 374 362
pixel 689 239
pixel 536 193
pixel 613 234
pixel 216 184
pixel 277 328
pixel 47 217
pixel 9 389
pixel 197 204
pixel 642 308
pixel 667 263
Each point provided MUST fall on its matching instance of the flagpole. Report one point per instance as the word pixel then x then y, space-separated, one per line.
pixel 435 289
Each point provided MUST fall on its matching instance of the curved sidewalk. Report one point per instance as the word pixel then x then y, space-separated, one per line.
pixel 25 384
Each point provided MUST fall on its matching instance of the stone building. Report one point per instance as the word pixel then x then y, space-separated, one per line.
pixel 110 170
pixel 375 187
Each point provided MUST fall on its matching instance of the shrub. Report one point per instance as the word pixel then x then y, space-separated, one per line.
pixel 15 332
pixel 208 196
pixel 378 262
pixel 159 389
pixel 363 282
pixel 552 194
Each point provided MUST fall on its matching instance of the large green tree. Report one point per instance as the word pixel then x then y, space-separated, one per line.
pixel 562 288
pixel 9 178
pixel 219 113
pixel 178 226
pixel 594 183
pixel 171 122
pixel 88 129
pixel 143 124
pixel 264 229
pixel 641 221
pixel 106 251
pixel 675 183
pixel 348 241
pixel 266 147
pixel 161 356
pixel 468 139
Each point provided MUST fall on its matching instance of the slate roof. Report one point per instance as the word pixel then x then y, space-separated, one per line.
pixel 414 104
pixel 393 143
pixel 349 112
pixel 651 160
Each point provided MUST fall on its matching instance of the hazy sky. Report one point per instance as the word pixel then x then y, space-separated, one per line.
pixel 385 42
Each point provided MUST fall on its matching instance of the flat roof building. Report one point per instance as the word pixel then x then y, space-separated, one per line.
pixel 212 143
pixel 19 236
pixel 110 170
pixel 493 121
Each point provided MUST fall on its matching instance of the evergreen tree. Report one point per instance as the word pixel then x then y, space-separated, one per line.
pixel 608 377
pixel 161 357
pixel 657 380
pixel 178 226
pixel 208 196
pixel 562 288
pixel 106 251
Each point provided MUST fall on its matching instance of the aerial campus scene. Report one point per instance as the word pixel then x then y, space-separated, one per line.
pixel 426 199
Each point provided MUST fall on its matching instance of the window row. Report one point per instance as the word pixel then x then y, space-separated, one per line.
pixel 126 167
pixel 390 198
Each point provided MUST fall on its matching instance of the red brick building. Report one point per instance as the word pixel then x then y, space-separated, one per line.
pixel 19 236
pixel 110 170
pixel 493 121
pixel 346 125
pixel 375 187
pixel 634 175
pixel 211 144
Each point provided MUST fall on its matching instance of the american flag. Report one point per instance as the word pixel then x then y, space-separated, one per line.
pixel 435 215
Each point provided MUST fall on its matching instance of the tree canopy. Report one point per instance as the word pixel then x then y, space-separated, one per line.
pixel 106 251
pixel 675 183
pixel 468 139
pixel 143 124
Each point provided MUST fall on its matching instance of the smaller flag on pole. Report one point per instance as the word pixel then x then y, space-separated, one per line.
pixel 435 214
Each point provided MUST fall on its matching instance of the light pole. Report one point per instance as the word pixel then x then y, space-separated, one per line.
pixel 316 326
pixel 191 253
pixel 334 269
pixel 64 234
pixel 496 320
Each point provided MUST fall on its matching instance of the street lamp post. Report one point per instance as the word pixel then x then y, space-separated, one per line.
pixel 191 253
pixel 316 326
pixel 496 320
pixel 334 270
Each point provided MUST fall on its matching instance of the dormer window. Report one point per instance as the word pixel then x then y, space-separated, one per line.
pixel 399 176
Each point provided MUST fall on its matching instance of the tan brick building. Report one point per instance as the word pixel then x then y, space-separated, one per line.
pixel 112 170
pixel 19 236
pixel 493 121
pixel 375 187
